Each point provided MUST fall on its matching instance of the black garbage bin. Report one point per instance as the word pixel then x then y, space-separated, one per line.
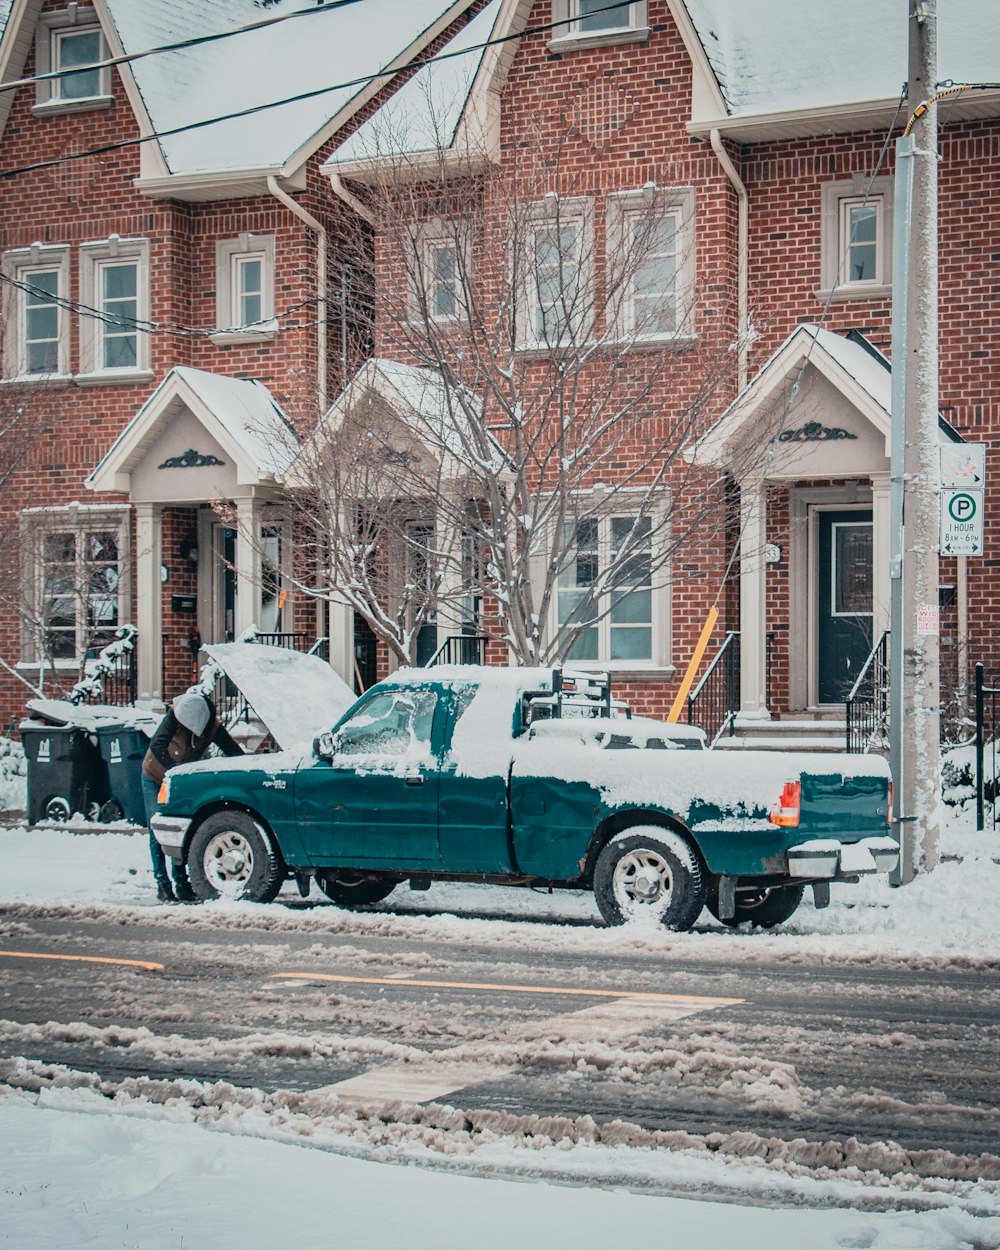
pixel 123 748
pixel 65 771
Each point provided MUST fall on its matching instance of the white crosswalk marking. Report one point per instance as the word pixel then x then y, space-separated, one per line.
pixel 437 1076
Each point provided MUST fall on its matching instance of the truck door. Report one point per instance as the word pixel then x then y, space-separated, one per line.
pixel 375 803
pixel 475 766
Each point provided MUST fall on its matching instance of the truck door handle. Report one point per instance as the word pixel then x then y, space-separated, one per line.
pixel 414 779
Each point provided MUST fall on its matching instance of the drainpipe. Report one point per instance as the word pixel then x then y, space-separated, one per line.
pixel 742 246
pixel 296 209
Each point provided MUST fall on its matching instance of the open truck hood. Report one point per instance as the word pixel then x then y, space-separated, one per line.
pixel 297 696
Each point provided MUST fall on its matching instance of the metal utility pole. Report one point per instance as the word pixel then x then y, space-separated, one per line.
pixel 915 498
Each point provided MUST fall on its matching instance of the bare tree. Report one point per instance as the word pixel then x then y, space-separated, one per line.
pixel 514 459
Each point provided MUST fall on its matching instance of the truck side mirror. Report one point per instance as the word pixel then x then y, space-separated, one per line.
pixel 324 747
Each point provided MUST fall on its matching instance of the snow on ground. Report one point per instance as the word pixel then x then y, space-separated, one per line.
pixel 93 1167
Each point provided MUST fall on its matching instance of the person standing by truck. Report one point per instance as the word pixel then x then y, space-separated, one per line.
pixel 184 735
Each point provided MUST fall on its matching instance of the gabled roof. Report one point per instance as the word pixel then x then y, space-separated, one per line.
pixel 850 363
pixel 436 412
pixel 426 114
pixel 862 378
pixel 789 67
pixel 325 50
pixel 242 416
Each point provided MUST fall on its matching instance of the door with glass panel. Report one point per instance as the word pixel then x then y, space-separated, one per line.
pixel 843 601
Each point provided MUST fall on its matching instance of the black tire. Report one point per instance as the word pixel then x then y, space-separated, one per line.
pixel 354 889
pixel 649 871
pixel 111 811
pixel 764 908
pixel 232 856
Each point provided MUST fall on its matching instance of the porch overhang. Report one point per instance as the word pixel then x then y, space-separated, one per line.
pixel 199 436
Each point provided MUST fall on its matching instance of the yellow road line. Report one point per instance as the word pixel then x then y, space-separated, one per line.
pixel 514 989
pixel 85 959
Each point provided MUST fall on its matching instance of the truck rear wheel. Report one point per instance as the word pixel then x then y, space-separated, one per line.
pixel 764 907
pixel 353 889
pixel 649 871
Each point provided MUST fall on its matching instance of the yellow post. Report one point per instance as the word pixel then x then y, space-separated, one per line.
pixel 692 668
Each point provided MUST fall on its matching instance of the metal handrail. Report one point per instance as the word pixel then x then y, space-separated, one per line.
pixel 720 688
pixel 867 705
pixel 460 649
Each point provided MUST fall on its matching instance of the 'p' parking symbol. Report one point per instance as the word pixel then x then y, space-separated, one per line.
pixel 962 507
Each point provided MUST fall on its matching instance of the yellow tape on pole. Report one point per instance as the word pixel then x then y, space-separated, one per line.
pixel 692 668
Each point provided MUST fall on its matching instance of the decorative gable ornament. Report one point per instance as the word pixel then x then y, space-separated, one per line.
pixel 191 459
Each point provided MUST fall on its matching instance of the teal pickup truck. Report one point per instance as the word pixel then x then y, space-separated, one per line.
pixel 526 777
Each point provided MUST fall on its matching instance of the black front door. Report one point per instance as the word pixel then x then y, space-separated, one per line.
pixel 843 601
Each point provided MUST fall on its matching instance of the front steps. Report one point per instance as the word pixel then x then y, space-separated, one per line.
pixel 795 732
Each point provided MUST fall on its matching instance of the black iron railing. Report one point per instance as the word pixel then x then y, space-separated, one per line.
pixel 867 705
pixel 986 749
pixel 111 674
pixel 714 702
pixel 460 649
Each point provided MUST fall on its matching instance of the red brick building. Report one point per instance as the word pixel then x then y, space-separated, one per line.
pixel 749 148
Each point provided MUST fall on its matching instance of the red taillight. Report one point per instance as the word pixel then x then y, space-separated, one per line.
pixel 888 810
pixel 786 814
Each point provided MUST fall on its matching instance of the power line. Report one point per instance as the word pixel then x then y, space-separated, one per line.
pixel 193 42
pixel 361 81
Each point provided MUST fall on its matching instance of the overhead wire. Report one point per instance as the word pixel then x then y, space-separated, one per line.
pixel 362 80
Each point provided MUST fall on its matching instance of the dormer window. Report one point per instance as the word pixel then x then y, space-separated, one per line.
pixel 69 44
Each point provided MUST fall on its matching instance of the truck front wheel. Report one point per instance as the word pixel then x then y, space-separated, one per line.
pixel 649 871
pixel 232 856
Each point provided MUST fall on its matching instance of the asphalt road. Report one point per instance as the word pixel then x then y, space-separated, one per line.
pixel 781 1050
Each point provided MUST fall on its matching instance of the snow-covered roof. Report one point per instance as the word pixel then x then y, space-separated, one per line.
pixel 328 54
pixel 438 411
pixel 241 414
pixel 771 55
pixel 424 115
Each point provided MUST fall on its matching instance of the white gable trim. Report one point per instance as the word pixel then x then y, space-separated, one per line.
pixel 802 347
pixel 114 472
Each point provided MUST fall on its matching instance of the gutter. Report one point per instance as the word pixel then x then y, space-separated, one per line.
pixel 742 259
pixel 322 245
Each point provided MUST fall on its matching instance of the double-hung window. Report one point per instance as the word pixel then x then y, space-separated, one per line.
pixel 556 282
pixel 439 259
pixel 71 49
pixel 76 566
pixel 245 288
pixel 649 280
pixel 114 319
pixel 36 337
pixel 598 21
pixel 606 595
pixel 856 261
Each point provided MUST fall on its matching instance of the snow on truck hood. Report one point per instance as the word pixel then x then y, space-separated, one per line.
pixel 297 696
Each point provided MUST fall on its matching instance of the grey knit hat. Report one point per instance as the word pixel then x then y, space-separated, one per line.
pixel 191 709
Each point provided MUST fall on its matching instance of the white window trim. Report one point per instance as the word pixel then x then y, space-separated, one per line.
pixel 91 257
pixel 662 604
pixel 424 238
pixel 659 201
pixel 35 524
pixel 833 283
pixel 567 37
pixel 553 210
pixel 227 253
pixel 18 266
pixel 47 94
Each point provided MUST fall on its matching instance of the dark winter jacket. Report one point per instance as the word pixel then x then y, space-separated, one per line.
pixel 174 744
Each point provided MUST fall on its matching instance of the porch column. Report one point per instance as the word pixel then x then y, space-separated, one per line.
pixel 342 641
pixel 753 584
pixel 881 543
pixel 149 601
pixel 247 564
